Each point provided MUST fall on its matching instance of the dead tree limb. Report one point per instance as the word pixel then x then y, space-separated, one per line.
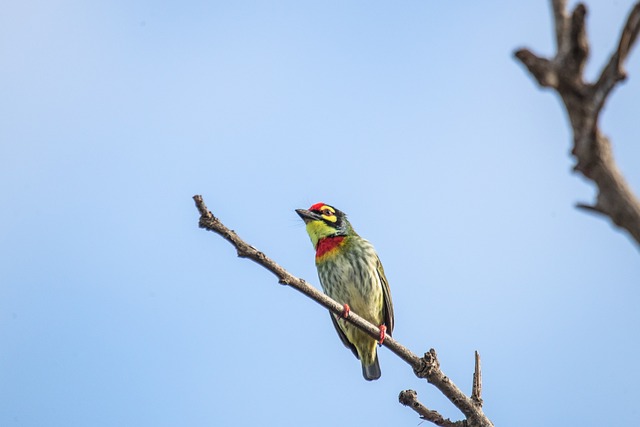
pixel 584 102
pixel 476 391
pixel 427 367
pixel 410 398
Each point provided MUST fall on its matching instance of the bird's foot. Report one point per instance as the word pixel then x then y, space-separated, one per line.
pixel 383 334
pixel 345 311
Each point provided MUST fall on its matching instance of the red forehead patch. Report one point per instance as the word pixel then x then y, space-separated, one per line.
pixel 317 206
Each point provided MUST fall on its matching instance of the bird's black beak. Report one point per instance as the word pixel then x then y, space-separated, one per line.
pixel 307 216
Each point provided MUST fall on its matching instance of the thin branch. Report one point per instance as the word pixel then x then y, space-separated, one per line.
pixel 584 102
pixel 578 38
pixel 614 72
pixel 476 390
pixel 629 33
pixel 560 21
pixel 426 367
pixel 589 208
pixel 410 398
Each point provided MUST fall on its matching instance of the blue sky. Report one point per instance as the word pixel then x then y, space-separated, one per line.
pixel 412 117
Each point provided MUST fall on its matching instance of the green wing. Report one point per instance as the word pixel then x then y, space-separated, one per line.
pixel 386 297
pixel 342 336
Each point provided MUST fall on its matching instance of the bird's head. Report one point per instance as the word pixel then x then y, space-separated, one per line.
pixel 323 221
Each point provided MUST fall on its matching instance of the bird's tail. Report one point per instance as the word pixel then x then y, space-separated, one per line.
pixel 371 372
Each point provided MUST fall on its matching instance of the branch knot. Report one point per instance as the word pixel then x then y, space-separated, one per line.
pixel 428 364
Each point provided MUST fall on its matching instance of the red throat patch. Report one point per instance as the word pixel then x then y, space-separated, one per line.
pixel 327 245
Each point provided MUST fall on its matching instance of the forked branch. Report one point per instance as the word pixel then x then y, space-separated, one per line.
pixel 410 398
pixel 584 102
pixel 426 367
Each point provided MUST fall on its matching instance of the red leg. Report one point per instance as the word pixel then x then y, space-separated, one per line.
pixel 345 311
pixel 383 334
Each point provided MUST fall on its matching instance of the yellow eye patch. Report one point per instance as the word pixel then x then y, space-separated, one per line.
pixel 328 213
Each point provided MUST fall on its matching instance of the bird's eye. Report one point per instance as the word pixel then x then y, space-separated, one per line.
pixel 327 212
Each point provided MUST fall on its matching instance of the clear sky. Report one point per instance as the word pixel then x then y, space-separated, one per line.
pixel 412 117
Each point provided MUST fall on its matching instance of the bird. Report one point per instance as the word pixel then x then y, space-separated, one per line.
pixel 351 273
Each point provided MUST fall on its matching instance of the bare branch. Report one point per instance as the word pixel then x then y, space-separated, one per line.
pixel 614 72
pixel 410 398
pixel 584 101
pixel 426 367
pixel 431 371
pixel 476 390
pixel 579 36
pixel 541 68
pixel 629 33
pixel 560 20
pixel 589 208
